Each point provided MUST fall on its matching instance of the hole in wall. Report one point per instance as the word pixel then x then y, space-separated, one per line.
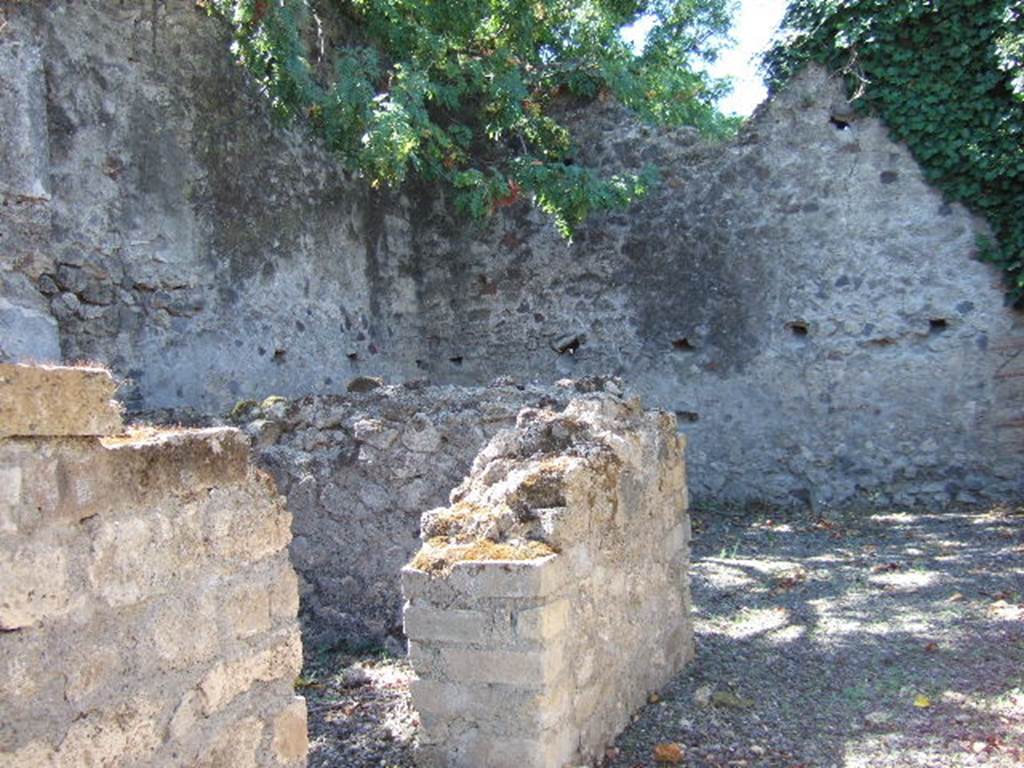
pixel 279 356
pixel 353 356
pixel 798 328
pixel 688 416
pixel 937 325
pixel 457 360
pixel 839 124
pixel 568 344
pixel 683 345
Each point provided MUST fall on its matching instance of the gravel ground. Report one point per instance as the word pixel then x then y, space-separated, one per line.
pixel 880 640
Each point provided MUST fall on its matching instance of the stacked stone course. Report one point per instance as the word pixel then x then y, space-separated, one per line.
pixel 538 662
pixel 147 605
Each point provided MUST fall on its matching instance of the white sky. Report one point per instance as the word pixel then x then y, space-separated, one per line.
pixel 754 23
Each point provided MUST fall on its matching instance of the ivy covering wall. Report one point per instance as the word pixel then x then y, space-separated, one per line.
pixel 947 78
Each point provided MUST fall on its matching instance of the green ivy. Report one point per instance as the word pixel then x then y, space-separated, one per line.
pixel 947 78
pixel 462 92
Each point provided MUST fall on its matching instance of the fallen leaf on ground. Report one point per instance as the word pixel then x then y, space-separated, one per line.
pixel 921 701
pixel 669 753
pixel 886 568
pixel 654 698
pixel 730 700
pixel 791 578
pixel 932 647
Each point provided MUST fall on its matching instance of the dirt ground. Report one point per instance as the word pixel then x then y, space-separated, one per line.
pixel 859 640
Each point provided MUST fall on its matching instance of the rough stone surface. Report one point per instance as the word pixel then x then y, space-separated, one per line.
pixel 800 298
pixel 122 560
pixel 552 596
pixel 359 469
pixel 40 401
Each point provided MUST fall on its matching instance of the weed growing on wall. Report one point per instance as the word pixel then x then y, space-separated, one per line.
pixel 460 92
pixel 947 77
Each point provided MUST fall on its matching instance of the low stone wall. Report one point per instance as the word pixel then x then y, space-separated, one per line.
pixel 551 598
pixel 147 605
pixel 359 469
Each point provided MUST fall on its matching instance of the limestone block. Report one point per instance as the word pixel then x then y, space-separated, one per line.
pixel 41 401
pixel 247 609
pixel 245 530
pixel 236 746
pixel 291 741
pixel 481 579
pixel 183 632
pixel 229 679
pixel 131 558
pixel 33 585
pixel 453 626
pixel 533 708
pixel 116 736
pixel 284 593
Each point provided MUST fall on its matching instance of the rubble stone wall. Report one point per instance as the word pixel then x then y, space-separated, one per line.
pixel 147 605
pixel 811 310
pixel 358 470
pixel 551 597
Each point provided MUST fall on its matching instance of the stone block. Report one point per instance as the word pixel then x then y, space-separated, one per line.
pixel 244 529
pixel 121 735
pixel 229 679
pixel 543 623
pixel 33 585
pixel 42 401
pixel 453 626
pixel 291 741
pixel 529 709
pixel 246 609
pixel 284 593
pixel 236 746
pixel 183 631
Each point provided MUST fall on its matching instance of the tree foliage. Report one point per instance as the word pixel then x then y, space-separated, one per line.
pixel 947 78
pixel 461 92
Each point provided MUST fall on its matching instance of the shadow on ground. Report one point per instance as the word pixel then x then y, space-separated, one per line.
pixel 881 640
pixel 870 640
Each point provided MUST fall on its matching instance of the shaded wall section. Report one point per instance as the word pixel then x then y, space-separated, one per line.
pixel 808 307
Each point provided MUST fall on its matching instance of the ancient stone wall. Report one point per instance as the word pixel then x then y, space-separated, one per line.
pixel 809 308
pixel 551 597
pixel 359 469
pixel 147 605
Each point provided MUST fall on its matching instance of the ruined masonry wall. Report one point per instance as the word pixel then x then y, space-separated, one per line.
pixel 539 662
pixel 358 470
pixel 147 605
pixel 805 303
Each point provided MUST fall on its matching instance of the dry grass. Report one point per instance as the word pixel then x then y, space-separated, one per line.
pixel 438 554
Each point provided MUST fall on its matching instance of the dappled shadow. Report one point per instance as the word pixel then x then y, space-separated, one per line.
pixel 884 640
